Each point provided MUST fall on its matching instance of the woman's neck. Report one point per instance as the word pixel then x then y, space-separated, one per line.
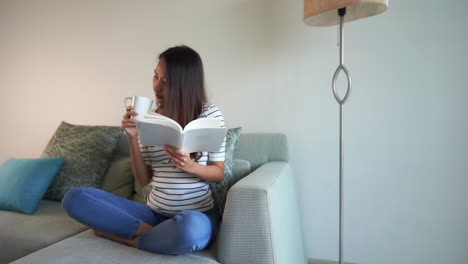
pixel 160 110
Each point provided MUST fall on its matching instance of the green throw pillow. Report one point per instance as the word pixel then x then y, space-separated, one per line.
pixel 118 174
pixel 86 150
pixel 221 189
pixel 141 194
pixel 118 178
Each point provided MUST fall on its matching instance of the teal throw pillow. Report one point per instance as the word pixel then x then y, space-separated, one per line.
pixel 220 190
pixel 87 151
pixel 23 182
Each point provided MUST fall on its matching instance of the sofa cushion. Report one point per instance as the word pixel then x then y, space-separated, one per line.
pixel 22 234
pixel 87 151
pixel 240 169
pixel 220 190
pixel 118 178
pixel 23 182
pixel 141 193
pixel 89 248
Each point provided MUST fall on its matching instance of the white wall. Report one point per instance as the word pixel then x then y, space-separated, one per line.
pixel 405 122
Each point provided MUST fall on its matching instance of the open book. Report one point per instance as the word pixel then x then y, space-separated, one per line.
pixel 200 135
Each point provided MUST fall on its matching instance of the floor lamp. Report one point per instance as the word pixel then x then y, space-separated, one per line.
pixel 328 13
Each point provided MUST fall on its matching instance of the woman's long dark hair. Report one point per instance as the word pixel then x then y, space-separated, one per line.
pixel 186 84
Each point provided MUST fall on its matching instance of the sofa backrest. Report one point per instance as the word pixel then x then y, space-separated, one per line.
pixel 257 148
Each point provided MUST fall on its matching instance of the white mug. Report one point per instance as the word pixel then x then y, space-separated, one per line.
pixel 141 105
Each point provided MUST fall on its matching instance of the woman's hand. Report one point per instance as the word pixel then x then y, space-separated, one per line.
pixel 128 123
pixel 180 158
pixel 213 172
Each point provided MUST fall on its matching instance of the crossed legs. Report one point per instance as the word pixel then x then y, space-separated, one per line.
pixel 135 224
pixel 109 215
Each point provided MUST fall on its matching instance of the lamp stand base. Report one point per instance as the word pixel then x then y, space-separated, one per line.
pixel 323 261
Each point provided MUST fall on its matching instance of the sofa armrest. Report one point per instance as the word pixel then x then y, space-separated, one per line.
pixel 261 221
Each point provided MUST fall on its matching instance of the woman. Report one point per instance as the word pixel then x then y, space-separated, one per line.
pixel 178 216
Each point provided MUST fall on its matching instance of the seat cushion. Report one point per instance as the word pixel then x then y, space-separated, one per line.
pixel 89 248
pixel 22 234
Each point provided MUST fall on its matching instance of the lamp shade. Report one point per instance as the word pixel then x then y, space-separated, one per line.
pixel 324 12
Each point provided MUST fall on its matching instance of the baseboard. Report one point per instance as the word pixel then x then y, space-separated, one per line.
pixel 323 261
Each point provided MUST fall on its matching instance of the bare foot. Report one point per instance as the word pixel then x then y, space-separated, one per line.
pixel 97 233
pixel 143 228
pixel 129 242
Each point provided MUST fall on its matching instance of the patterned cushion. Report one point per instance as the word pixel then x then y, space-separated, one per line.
pixel 221 189
pixel 87 151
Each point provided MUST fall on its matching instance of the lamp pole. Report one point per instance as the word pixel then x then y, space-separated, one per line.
pixel 341 101
pixel 323 13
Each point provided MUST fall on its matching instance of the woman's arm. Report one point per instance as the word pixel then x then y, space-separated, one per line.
pixel 213 172
pixel 141 171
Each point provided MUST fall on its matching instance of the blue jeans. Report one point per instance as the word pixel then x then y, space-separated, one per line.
pixel 184 232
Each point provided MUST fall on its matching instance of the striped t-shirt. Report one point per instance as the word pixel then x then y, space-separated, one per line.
pixel 173 190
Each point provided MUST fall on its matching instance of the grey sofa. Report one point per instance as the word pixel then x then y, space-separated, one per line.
pixel 261 222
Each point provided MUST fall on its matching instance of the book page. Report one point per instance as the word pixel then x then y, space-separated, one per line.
pixel 159 134
pixel 203 123
pixel 155 118
pixel 203 139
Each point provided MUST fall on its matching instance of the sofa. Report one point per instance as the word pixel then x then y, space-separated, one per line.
pixel 260 224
